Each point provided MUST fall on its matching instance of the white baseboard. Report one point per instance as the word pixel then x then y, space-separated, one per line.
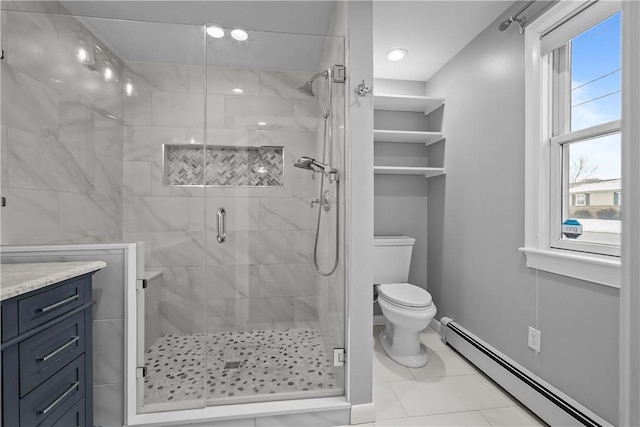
pixel 379 320
pixel 435 325
pixel 364 413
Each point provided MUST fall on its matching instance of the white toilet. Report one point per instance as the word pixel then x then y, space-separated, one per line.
pixel 407 308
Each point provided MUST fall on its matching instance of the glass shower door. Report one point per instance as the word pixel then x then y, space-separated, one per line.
pixel 162 78
pixel 271 323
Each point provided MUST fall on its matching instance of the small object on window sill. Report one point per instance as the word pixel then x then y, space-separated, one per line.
pixel 571 228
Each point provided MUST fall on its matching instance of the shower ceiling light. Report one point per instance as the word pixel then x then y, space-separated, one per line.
pixel 84 49
pixel 84 56
pixel 215 31
pixel 129 88
pixel 237 91
pixel 396 54
pixel 109 73
pixel 240 35
pixel 262 123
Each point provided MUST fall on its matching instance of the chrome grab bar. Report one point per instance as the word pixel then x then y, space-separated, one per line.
pixel 222 225
pixel 58 304
pixel 60 399
pixel 59 349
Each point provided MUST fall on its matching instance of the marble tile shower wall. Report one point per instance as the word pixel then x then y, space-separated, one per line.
pixel 61 137
pixel 262 277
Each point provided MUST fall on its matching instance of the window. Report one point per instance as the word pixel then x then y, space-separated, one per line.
pixel 573 141
pixel 580 200
pixel 585 107
pixel 617 198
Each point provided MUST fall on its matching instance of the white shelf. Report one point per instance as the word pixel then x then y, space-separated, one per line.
pixel 407 136
pixel 406 170
pixel 423 104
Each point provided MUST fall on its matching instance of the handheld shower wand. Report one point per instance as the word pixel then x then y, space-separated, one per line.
pixel 308 163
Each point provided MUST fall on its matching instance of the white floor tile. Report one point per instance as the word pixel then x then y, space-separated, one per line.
pixel 454 419
pixel 385 369
pixel 509 417
pixel 386 403
pixel 493 386
pixel 432 340
pixel 442 364
pixel 446 394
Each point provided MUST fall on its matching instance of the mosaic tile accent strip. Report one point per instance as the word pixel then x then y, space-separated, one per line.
pixel 183 165
pixel 238 365
pixel 226 166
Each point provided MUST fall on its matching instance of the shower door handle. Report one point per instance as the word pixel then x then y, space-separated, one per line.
pixel 222 225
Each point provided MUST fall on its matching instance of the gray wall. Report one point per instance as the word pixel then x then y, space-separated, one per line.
pixel 476 274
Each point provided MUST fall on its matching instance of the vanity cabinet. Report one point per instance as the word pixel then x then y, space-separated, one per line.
pixel 46 356
pixel 407 105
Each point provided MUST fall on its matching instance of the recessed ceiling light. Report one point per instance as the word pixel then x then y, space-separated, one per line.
pixel 237 91
pixel 396 54
pixel 215 31
pixel 262 123
pixel 240 35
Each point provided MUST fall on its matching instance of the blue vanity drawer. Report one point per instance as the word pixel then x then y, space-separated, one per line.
pixel 45 353
pixel 74 416
pixel 45 405
pixel 44 306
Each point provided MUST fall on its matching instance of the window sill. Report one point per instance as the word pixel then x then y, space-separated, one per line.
pixel 603 270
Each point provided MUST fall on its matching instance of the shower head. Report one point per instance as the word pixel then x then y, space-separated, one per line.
pixel 304 162
pixel 308 163
pixel 307 88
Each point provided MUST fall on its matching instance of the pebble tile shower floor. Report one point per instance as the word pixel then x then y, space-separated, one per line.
pixel 257 363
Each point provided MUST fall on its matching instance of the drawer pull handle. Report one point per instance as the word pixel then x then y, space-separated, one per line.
pixel 58 350
pixel 60 399
pixel 59 303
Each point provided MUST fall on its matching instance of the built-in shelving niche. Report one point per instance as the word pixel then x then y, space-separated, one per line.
pixel 405 119
pixel 226 166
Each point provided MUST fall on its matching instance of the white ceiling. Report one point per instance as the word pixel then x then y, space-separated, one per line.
pixel 172 31
pixel 432 31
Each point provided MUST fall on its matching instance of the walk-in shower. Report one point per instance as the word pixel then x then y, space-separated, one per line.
pixel 150 129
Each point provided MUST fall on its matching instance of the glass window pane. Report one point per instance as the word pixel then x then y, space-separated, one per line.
pixel 593 181
pixel 595 74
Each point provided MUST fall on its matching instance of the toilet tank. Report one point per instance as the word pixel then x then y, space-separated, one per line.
pixel 392 258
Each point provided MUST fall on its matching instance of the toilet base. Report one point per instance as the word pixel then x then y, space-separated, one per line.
pixel 415 359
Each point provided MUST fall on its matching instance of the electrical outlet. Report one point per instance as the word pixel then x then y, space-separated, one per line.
pixel 534 339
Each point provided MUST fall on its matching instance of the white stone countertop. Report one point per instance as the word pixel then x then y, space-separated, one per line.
pixel 18 279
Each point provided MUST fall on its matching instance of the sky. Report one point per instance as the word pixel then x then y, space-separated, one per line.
pixel 595 81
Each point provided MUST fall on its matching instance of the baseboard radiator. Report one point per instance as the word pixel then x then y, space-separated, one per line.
pixel 544 400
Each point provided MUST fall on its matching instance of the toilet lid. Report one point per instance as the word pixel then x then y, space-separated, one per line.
pixel 405 294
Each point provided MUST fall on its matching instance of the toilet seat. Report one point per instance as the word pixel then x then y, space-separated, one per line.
pixel 405 295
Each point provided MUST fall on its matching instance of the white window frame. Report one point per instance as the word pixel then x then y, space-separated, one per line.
pixel 540 160
pixel 581 199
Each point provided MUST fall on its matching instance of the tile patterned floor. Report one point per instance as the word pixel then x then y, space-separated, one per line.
pixel 448 391
pixel 238 364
